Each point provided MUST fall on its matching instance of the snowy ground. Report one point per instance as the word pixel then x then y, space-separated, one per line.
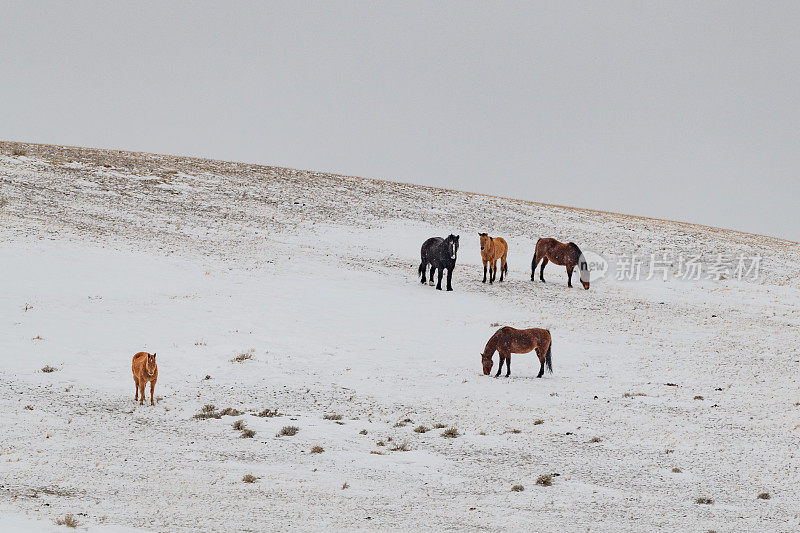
pixel 105 253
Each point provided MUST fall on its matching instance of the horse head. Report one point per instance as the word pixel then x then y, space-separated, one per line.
pixel 584 273
pixel 486 361
pixel 484 240
pixel 452 245
pixel 150 364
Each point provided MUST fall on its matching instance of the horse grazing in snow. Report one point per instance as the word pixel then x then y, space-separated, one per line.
pixel 439 253
pixel 144 369
pixel 508 340
pixel 492 249
pixel 563 254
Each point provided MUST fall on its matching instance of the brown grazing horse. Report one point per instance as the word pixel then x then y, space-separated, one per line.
pixel 492 249
pixel 563 254
pixel 508 340
pixel 144 369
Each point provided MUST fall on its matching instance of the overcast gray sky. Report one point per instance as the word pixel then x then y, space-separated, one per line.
pixel 679 110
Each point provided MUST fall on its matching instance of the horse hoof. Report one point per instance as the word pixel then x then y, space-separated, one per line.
pixel 430 283
pixel 450 289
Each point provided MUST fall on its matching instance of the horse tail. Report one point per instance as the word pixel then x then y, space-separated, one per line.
pixel 547 359
pixel 421 268
pixel 505 267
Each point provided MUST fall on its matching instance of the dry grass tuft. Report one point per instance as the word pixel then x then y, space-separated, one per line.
pixel 230 411
pixel 764 496
pixel 69 520
pixel 332 417
pixel 704 501
pixel 288 431
pixel 244 356
pixel 380 443
pixel 439 425
pixel 248 433
pixel 317 449
pixel 47 369
pixel 698 397
pixel 268 413
pixel 18 150
pixel 362 432
pixel 345 485
pixel 450 433
pixel 545 480
pixel 595 439
pixel 208 411
pixel 238 425
pixel 633 394
pixel 401 447
pixel 3 201
pixel 208 408
pixel 676 470
pixel 517 488
pixel 249 478
pixel 420 429
pixel 538 421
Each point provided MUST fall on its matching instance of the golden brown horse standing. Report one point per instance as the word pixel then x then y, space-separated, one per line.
pixel 492 249
pixel 563 254
pixel 508 340
pixel 144 369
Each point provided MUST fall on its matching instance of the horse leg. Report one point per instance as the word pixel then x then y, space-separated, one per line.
pixel 152 386
pixel 500 368
pixel 484 271
pixel 541 370
pixel 439 279
pixel 450 279
pixel 424 269
pixel 502 266
pixel 541 272
pixel 136 385
pixel 492 270
pixel 142 385
pixel 433 271
pixel 534 262
pixel 508 365
pixel 569 275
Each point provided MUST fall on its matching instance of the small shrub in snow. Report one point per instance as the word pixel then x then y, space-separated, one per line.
pixel 450 433
pixel 243 356
pixel 633 394
pixel 517 488
pixel 288 431
pixel 208 408
pixel 595 439
pixel 238 425
pixel 68 520
pixel 345 485
pixel 380 443
pixel 317 449
pixel 515 431
pixel 248 433
pixel 47 369
pixel 268 413
pixel 439 425
pixel 764 496
pixel 401 447
pixel 676 470
pixel 400 424
pixel 332 417
pixel 420 429
pixel 704 501
pixel 537 422
pixel 18 150
pixel 249 478
pixel 545 480
pixel 698 397
pixel 230 411
pixel 3 202
pixel 362 432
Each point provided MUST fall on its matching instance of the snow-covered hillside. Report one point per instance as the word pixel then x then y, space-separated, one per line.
pixel 663 392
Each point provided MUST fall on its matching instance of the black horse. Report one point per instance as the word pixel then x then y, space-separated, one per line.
pixel 440 254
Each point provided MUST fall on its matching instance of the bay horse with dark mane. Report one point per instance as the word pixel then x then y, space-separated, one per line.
pixel 439 253
pixel 508 340
pixel 562 254
pixel 492 249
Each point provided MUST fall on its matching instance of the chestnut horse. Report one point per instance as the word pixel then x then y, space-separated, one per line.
pixel 144 369
pixel 492 249
pixel 562 254
pixel 508 340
